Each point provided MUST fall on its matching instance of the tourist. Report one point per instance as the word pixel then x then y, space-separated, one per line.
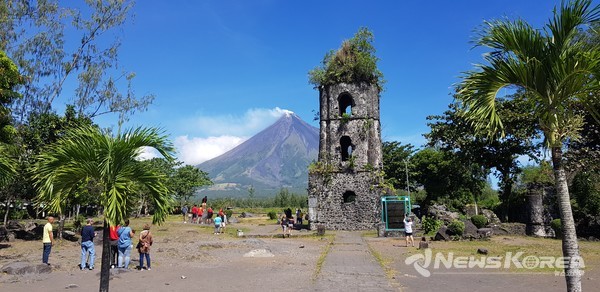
pixel 194 213
pixel 201 215
pixel 284 225
pixel 125 246
pixel 87 246
pixel 184 211
pixel 218 222
pixel 114 241
pixel 47 240
pixel 408 230
pixel 144 246
pixel 299 216
pixel 209 215
pixel 204 202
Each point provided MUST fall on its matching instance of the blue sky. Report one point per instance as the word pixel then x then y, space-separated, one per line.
pixel 224 70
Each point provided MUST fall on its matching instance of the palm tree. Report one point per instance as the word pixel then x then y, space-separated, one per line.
pixel 559 73
pixel 86 154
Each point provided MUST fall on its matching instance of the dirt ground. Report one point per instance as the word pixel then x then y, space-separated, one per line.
pixel 186 256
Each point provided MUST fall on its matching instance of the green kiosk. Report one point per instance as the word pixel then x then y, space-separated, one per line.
pixel 394 208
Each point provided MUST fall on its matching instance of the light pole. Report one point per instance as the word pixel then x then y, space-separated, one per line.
pixel 406 167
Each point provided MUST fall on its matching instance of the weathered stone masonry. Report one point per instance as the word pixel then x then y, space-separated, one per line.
pixel 345 195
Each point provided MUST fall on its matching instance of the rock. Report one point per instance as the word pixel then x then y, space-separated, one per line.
pixel 70 235
pixel 70 286
pixel 482 251
pixel 13 224
pixel 30 226
pixel 440 212
pixel 22 268
pixel 232 220
pixel 485 232
pixel 183 277
pixel 423 244
pixel 302 246
pixel 470 229
pixel 258 253
pixel 491 216
pixel 3 234
pixel 442 234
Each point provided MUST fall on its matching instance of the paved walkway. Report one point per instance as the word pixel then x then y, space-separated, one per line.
pixel 350 266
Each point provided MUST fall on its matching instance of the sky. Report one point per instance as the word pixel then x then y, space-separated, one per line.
pixel 223 70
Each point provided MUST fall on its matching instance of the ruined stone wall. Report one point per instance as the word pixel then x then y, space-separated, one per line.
pixel 329 208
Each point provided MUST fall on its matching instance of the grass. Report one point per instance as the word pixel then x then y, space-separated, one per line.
pixel 323 256
pixel 500 246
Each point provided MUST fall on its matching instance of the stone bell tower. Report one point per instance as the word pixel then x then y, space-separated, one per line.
pixel 343 186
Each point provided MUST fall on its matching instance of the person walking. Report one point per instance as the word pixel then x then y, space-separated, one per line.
pixel 114 241
pixel 87 246
pixel 125 246
pixel 408 230
pixel 218 220
pixel 47 240
pixel 144 247
pixel 184 211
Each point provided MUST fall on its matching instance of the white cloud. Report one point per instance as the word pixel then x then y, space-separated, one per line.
pixel 196 150
pixel 148 153
pixel 205 137
pixel 250 123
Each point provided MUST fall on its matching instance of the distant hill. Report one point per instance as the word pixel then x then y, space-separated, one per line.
pixel 278 157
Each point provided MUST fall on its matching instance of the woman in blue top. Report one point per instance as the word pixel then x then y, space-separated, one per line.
pixel 125 245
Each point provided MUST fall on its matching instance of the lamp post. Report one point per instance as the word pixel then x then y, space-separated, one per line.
pixel 406 167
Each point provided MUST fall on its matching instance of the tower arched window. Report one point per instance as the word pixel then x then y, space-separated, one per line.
pixel 345 104
pixel 346 146
pixel 349 197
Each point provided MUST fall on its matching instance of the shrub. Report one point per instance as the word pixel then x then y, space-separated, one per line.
pixel 479 221
pixel 456 227
pixel 555 224
pixel 430 224
pixel 272 215
pixel 229 213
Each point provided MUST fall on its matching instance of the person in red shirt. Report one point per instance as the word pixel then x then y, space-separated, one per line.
pixel 114 239
pixel 200 213
pixel 194 213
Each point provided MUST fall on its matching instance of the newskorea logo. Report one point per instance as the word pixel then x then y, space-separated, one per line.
pixel 424 262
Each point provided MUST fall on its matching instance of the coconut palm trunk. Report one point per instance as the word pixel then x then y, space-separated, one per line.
pixel 105 269
pixel 570 247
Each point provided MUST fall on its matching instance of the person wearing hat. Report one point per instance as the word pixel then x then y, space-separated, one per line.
pixel 144 247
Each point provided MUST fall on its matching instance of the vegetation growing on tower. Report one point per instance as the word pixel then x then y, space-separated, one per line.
pixel 353 62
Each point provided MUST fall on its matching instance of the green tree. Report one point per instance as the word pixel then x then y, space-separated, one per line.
pixel 446 179
pixel 559 72
pixel 9 80
pixel 186 180
pixel 86 153
pixel 37 36
pixel 396 161
pixel 453 132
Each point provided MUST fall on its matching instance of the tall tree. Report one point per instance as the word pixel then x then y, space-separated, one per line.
pixel 85 153
pixel 446 179
pixel 453 132
pixel 186 180
pixel 396 159
pixel 559 72
pixel 54 44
